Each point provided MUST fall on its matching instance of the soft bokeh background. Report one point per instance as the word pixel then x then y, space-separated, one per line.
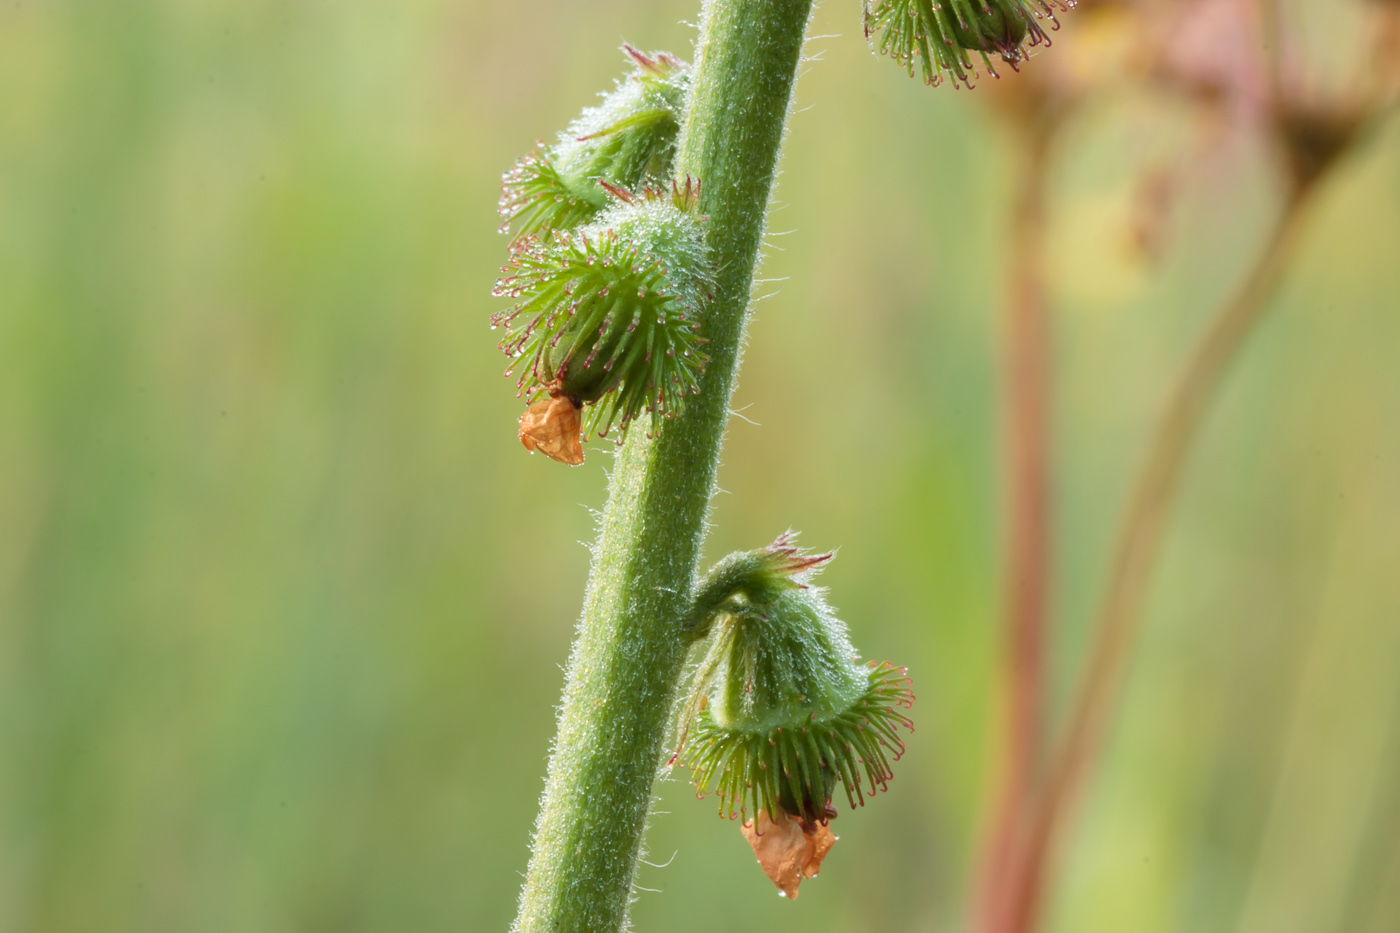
pixel 283 603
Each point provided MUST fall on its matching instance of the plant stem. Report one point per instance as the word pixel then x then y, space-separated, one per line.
pixel 1139 540
pixel 1025 367
pixel 629 652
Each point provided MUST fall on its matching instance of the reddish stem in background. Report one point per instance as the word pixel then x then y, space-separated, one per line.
pixel 1026 390
pixel 1139 541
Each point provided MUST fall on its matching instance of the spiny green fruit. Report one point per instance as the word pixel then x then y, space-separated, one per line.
pixel 628 140
pixel 607 315
pixel 781 710
pixel 940 35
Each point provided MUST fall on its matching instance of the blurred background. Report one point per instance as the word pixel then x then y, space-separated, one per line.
pixel 283 603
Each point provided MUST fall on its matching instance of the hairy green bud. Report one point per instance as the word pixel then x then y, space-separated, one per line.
pixel 629 140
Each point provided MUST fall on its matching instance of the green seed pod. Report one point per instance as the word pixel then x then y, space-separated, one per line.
pixel 629 140
pixel 940 35
pixel 781 712
pixel 608 314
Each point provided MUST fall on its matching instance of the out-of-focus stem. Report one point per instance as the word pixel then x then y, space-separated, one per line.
pixel 1025 368
pixel 1139 541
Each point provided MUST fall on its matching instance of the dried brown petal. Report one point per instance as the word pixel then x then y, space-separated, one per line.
pixel 551 426
pixel 788 850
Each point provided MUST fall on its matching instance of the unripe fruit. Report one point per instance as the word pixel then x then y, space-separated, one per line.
pixel 608 315
pixel 780 711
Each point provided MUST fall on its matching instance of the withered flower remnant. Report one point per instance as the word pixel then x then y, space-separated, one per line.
pixel 788 849
pixel 551 426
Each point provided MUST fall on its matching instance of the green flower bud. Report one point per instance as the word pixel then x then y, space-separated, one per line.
pixel 629 140
pixel 607 315
pixel 781 711
pixel 940 35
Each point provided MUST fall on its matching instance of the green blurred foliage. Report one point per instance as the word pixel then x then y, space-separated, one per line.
pixel 283 601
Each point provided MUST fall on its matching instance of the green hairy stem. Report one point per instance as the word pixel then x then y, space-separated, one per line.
pixel 627 660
